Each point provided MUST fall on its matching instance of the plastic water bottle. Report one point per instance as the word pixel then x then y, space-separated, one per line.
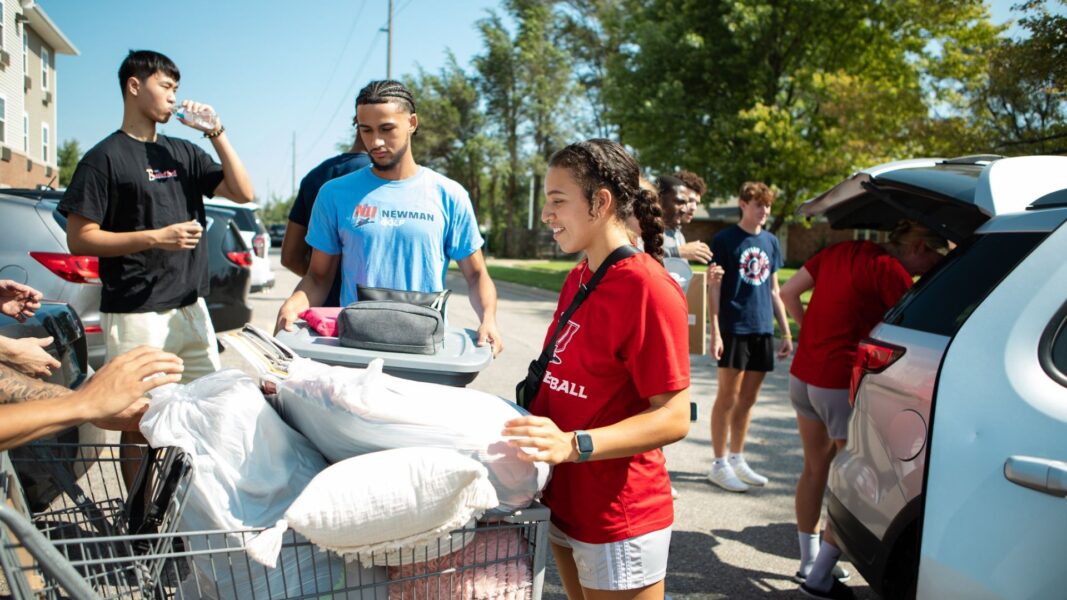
pixel 205 118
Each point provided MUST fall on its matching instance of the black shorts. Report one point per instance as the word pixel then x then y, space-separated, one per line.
pixel 753 352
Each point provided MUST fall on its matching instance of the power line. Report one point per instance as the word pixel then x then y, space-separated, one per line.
pixel 337 63
pixel 348 93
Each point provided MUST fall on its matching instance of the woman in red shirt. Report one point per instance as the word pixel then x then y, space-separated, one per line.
pixel 854 283
pixel 616 389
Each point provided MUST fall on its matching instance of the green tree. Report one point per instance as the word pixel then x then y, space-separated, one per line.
pixel 69 155
pixel 1021 102
pixel 276 209
pixel 797 93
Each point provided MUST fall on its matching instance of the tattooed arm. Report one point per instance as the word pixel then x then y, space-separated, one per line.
pixel 16 387
pixel 30 409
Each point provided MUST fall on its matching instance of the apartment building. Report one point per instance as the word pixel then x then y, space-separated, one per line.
pixel 29 43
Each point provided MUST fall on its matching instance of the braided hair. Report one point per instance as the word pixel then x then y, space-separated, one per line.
pixel 384 91
pixel 603 164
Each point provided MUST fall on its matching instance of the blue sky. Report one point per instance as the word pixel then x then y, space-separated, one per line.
pixel 269 67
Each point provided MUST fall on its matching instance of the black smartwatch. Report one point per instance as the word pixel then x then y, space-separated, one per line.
pixel 584 441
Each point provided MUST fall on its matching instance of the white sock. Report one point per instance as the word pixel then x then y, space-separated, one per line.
pixel 809 549
pixel 719 461
pixel 736 458
pixel 821 576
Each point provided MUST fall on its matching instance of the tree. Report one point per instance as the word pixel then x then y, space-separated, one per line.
pixel 797 93
pixel 276 209
pixel 1022 99
pixel 69 155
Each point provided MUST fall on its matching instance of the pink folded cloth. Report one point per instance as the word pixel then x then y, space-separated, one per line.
pixel 323 319
pixel 455 576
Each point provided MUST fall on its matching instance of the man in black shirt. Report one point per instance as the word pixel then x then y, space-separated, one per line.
pixel 136 201
pixel 296 253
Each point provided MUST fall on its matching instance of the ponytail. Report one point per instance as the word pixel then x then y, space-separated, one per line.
pixel 650 216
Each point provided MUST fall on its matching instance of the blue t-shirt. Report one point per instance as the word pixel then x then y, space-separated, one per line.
pixel 394 234
pixel 331 168
pixel 749 262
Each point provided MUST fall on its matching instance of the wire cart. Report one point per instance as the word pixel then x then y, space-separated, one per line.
pixel 94 541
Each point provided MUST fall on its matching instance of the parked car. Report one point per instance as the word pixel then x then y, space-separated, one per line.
pixel 69 347
pixel 255 234
pixel 877 482
pixel 277 234
pixel 230 265
pixel 33 250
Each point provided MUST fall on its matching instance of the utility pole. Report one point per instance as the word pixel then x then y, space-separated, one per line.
pixel 292 181
pixel 389 46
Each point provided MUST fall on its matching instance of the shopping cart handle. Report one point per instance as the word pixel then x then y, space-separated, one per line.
pixel 49 560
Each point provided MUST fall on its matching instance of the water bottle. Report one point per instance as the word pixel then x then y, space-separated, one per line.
pixel 205 118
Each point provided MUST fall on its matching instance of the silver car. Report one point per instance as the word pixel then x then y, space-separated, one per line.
pixel 877 482
pixel 34 252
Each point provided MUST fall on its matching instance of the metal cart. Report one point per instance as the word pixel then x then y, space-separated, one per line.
pixel 94 542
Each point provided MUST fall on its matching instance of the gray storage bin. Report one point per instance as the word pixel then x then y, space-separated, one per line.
pixel 457 363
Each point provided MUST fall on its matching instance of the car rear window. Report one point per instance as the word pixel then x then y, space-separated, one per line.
pixel 942 300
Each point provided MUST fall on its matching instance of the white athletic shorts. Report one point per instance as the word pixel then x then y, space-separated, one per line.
pixel 628 564
pixel 185 331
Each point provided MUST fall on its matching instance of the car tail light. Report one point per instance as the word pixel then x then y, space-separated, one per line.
pixel 94 329
pixel 242 258
pixel 872 356
pixel 77 269
pixel 259 244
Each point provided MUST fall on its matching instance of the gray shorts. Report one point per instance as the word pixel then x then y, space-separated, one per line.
pixel 628 564
pixel 829 405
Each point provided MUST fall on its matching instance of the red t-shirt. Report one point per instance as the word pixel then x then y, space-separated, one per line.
pixel 855 284
pixel 627 342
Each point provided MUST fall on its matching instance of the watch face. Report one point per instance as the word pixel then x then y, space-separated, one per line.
pixel 585 443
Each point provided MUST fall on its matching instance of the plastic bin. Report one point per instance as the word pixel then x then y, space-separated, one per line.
pixel 457 364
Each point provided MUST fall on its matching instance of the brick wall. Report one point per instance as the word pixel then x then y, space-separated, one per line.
pixel 20 172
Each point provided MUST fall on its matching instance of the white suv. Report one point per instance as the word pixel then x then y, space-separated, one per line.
pixel 1000 212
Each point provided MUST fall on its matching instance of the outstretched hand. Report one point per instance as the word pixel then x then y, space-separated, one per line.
pixel 114 397
pixel 549 444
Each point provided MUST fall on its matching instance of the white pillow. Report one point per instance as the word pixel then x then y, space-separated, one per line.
pixel 383 502
pixel 346 412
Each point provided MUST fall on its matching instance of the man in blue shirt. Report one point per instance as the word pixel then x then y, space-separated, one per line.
pixel 296 253
pixel 395 225
pixel 743 308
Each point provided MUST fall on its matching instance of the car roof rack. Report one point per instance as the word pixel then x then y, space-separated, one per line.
pixel 972 159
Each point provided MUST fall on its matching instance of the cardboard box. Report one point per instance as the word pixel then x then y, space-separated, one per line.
pixel 697 296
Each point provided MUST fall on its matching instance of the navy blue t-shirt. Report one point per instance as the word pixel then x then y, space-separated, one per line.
pixel 331 168
pixel 749 261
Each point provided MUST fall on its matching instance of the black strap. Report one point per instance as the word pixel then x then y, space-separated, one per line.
pixel 539 367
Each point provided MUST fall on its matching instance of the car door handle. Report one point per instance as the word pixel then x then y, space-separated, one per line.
pixel 1041 474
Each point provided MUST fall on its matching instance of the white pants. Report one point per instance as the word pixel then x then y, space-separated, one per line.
pixel 185 331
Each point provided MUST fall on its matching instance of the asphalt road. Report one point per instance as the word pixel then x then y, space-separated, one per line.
pixel 724 545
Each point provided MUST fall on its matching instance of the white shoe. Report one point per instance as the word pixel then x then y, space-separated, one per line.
pixel 723 476
pixel 746 474
pixel 674 492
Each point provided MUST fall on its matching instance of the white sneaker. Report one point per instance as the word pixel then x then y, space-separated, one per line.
pixel 723 476
pixel 746 474
pixel 674 493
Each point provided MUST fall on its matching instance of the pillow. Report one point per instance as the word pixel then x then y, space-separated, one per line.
pixel 346 412
pixel 383 502
pixel 248 467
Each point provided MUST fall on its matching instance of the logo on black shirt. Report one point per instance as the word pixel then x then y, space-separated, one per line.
pixel 156 174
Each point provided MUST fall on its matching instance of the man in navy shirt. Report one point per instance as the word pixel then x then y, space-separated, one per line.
pixel 743 307
pixel 296 253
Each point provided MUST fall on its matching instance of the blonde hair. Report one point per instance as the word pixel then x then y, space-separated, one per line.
pixel 907 232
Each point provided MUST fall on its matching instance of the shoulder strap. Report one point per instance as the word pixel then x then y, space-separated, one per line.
pixel 583 292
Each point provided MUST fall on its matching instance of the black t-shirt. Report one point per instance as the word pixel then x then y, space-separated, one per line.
pixel 331 168
pixel 127 185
